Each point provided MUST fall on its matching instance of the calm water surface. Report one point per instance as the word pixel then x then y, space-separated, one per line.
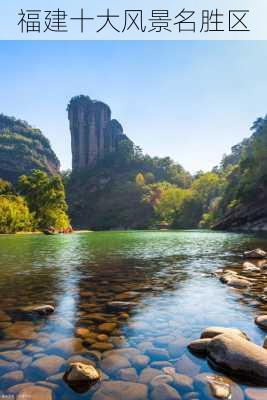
pixel 173 298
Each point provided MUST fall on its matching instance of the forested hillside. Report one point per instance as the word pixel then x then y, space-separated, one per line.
pixel 23 149
pixel 132 190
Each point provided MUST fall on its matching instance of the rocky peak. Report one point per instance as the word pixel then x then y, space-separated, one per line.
pixel 93 133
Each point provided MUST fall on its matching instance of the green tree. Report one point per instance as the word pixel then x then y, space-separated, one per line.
pixel 206 187
pixel 14 214
pixel 45 197
pixel 6 187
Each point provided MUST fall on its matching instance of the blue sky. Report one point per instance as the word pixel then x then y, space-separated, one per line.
pixel 188 100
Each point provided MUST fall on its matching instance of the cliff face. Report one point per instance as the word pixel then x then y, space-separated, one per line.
pixel 22 149
pixel 245 218
pixel 93 133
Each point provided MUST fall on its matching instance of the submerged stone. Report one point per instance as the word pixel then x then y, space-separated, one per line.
pixel 113 363
pixel 35 392
pixel 11 378
pixel 164 391
pixel 121 390
pixel 21 330
pixel 148 374
pixel 67 347
pixel 184 365
pixel 46 366
pixel 127 374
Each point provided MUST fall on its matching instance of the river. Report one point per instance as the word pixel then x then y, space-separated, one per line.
pixel 167 278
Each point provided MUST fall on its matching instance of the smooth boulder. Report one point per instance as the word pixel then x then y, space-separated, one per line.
pixel 257 253
pixel 240 357
pixel 235 281
pixel 213 331
pixel 121 390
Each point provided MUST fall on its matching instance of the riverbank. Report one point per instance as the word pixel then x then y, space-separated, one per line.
pixel 42 233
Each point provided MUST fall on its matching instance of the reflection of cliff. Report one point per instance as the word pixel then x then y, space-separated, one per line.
pixel 93 133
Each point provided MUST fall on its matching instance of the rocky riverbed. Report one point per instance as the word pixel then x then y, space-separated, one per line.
pixel 147 326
